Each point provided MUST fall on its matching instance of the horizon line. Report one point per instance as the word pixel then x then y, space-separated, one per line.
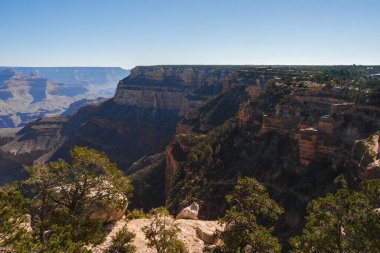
pixel 143 65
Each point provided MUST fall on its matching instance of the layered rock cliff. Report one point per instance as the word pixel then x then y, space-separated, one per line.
pixel 314 131
pixel 298 144
pixel 140 120
pixel 180 88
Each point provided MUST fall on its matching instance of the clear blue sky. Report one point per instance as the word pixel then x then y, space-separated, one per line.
pixel 144 32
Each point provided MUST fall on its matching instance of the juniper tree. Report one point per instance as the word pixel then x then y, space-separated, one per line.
pixel 248 203
pixel 342 222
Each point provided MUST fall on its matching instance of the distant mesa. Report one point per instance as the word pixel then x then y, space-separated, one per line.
pixel 29 93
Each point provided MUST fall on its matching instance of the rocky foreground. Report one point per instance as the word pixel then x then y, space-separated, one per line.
pixel 194 233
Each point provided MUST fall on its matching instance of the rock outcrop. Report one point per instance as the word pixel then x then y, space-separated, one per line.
pixel 179 88
pixel 194 233
pixel 75 106
pixel 307 143
pixel 367 154
pixel 106 215
pixel 189 212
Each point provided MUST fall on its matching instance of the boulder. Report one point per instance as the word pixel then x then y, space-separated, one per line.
pixel 206 234
pixel 108 215
pixel 190 212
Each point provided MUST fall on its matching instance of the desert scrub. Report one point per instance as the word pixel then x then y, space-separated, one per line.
pixel 162 232
pixel 122 242
pixel 191 139
pixel 136 214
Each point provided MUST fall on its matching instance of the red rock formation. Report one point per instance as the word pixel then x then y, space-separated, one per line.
pixel 253 90
pixel 278 124
pixel 326 124
pixel 244 115
pixel 190 115
pixel 369 155
pixel 265 125
pixel 183 129
pixel 171 161
pixel 171 168
pixel 307 142
pixel 325 149
pixel 342 108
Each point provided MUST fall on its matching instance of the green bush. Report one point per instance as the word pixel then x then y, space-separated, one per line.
pixel 249 202
pixel 122 242
pixel 342 222
pixel 162 232
pixel 136 214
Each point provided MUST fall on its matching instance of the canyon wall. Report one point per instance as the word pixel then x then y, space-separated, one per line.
pixel 140 120
pixel 300 147
pixel 180 88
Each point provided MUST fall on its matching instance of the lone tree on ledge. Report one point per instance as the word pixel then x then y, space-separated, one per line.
pixel 162 232
pixel 250 201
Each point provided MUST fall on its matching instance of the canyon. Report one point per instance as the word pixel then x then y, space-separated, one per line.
pixel 139 120
pixel 30 93
pixel 187 133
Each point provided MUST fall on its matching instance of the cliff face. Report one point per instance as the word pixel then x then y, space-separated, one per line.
pixel 75 106
pixel 140 120
pixel 36 142
pixel 320 126
pixel 171 88
pixel 297 144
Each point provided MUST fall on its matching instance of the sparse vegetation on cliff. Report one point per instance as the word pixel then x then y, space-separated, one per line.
pixel 122 242
pixel 222 108
pixel 346 221
pixel 266 138
pixel 162 232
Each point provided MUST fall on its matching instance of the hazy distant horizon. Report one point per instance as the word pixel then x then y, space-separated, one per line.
pixel 253 65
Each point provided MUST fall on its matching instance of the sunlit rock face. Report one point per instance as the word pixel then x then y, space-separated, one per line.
pixel 179 88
